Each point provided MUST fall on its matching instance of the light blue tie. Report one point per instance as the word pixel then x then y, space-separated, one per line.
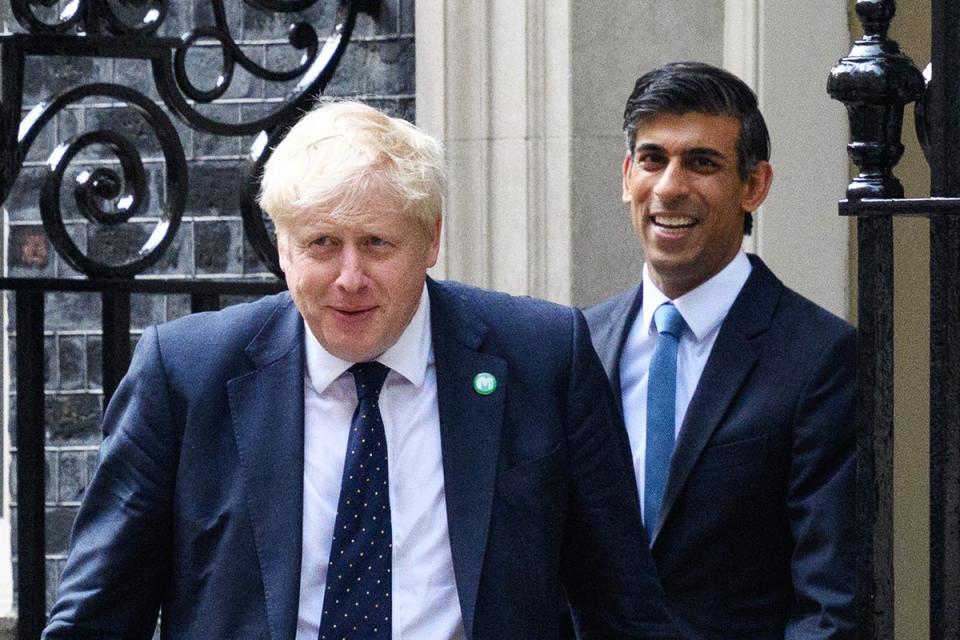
pixel 661 411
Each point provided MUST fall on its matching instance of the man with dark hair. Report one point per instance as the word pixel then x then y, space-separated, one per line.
pixel 738 394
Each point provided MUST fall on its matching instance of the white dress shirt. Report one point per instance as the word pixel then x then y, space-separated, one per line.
pixel 703 309
pixel 425 601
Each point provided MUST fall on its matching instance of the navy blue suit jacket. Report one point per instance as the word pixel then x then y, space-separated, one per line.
pixel 755 537
pixel 196 506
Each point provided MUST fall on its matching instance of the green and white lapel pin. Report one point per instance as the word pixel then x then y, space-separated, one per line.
pixel 484 383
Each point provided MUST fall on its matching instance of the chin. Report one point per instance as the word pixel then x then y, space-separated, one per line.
pixel 362 354
pixel 669 266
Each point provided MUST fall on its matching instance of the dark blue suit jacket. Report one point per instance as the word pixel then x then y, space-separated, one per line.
pixel 196 506
pixel 755 538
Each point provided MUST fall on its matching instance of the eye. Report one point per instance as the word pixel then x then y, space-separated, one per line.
pixel 377 241
pixel 704 164
pixel 650 160
pixel 322 241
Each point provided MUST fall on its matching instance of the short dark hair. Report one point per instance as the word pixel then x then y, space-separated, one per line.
pixel 696 87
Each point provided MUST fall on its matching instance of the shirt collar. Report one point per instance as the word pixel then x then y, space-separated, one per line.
pixel 409 355
pixel 704 307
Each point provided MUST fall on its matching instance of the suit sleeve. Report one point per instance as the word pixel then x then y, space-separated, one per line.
pixel 113 580
pixel 820 498
pixel 607 569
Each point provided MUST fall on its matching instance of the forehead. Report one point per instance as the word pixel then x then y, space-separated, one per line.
pixel 362 205
pixel 350 220
pixel 681 132
pixel 360 222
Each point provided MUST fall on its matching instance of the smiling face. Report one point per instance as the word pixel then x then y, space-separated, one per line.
pixel 357 279
pixel 686 198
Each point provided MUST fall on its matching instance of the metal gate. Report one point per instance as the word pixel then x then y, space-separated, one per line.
pixel 875 81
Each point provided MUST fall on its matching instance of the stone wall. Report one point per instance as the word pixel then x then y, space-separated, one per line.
pixel 378 68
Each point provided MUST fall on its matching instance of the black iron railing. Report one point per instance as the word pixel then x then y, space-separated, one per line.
pixel 875 82
pixel 111 187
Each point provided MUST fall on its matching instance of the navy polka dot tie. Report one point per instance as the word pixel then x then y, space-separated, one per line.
pixel 357 602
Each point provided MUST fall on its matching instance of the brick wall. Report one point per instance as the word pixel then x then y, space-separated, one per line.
pixel 378 67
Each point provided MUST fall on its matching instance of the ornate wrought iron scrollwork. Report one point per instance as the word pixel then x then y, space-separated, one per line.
pixel 25 13
pixel 92 16
pixel 126 29
pixel 301 36
pixel 253 223
pixel 314 72
pixel 875 81
pixel 102 195
pixel 152 13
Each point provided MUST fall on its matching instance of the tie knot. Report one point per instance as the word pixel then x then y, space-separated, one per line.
pixel 668 320
pixel 369 377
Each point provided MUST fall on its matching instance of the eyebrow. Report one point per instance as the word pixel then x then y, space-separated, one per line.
pixel 694 151
pixel 704 151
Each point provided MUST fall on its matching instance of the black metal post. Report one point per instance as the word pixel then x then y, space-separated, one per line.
pixel 943 112
pixel 875 593
pixel 11 102
pixel 875 81
pixel 944 429
pixel 116 339
pixel 31 564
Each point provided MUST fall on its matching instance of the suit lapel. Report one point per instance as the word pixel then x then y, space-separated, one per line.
pixel 733 356
pixel 610 335
pixel 267 411
pixel 470 426
pixel 730 361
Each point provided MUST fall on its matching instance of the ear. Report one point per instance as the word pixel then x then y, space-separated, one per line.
pixel 627 167
pixel 756 187
pixel 434 249
pixel 282 247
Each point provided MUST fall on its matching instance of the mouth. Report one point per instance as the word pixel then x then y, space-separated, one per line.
pixel 352 312
pixel 673 222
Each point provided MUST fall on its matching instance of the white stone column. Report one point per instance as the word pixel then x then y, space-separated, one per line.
pixel 613 43
pixel 799 232
pixel 492 83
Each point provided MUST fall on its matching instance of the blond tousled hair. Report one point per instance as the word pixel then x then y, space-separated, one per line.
pixel 341 151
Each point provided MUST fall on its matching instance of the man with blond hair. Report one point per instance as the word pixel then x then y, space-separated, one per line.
pixel 371 455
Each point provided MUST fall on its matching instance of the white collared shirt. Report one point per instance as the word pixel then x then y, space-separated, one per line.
pixel 425 601
pixel 703 309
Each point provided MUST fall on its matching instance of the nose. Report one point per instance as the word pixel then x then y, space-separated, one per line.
pixel 352 277
pixel 672 183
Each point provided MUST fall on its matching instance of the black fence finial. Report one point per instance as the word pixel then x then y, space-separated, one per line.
pixel 875 81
